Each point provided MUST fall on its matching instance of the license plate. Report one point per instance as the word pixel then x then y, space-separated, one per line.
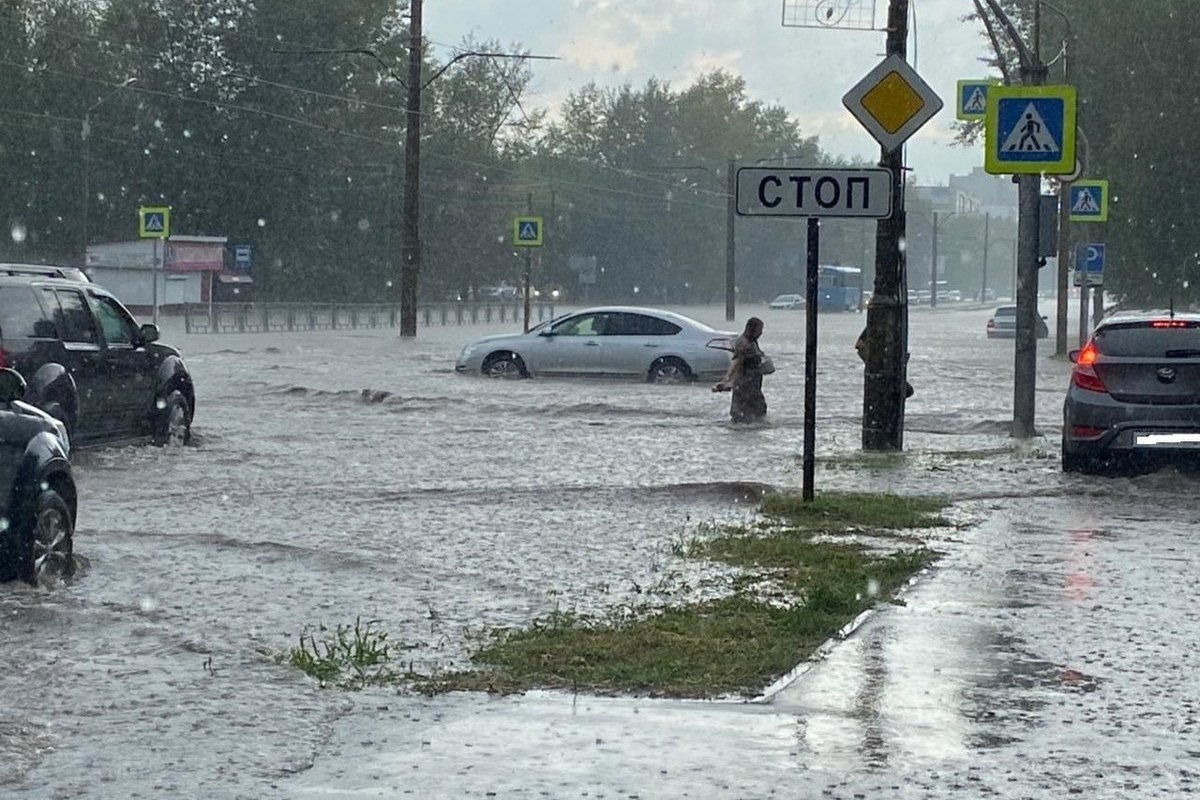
pixel 1166 439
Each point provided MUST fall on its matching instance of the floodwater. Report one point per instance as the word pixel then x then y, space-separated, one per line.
pixel 351 474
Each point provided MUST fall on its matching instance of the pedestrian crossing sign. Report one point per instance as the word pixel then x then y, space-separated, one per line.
pixel 527 231
pixel 154 222
pixel 972 98
pixel 1030 130
pixel 1089 201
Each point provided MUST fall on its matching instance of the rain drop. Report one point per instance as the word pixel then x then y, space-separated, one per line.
pixel 187 134
pixel 3 523
pixel 872 587
pixel 158 123
pixel 364 225
pixel 262 223
pixel 334 216
pixel 18 232
pixel 389 284
pixel 160 404
pixel 148 604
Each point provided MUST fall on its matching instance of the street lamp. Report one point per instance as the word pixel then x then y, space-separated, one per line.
pixel 85 134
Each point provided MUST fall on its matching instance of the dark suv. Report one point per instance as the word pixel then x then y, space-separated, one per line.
pixel 1135 389
pixel 37 490
pixel 87 362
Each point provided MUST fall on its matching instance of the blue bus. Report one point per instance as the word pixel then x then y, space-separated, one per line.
pixel 839 288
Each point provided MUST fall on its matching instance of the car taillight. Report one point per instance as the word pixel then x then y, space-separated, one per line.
pixel 1086 431
pixel 1084 376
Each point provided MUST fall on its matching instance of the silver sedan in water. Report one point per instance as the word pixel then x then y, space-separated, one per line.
pixel 610 341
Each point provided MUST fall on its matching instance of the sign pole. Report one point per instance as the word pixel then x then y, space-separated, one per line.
pixel 154 280
pixel 810 356
pixel 528 265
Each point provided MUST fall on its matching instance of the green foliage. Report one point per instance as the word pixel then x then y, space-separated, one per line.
pixel 223 110
pixel 1127 60
pixel 349 657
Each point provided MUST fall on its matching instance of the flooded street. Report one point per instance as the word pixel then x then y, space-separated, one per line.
pixel 349 474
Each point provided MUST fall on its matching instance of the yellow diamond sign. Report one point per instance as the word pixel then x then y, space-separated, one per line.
pixel 892 102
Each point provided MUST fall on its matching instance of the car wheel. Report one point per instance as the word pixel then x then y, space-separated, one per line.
pixel 504 365
pixel 48 551
pixel 669 370
pixel 174 425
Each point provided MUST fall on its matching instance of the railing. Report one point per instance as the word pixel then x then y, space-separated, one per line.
pixel 283 317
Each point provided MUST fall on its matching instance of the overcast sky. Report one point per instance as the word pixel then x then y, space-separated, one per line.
pixel 805 70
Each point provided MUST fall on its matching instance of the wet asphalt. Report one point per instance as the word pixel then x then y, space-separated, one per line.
pixel 1047 653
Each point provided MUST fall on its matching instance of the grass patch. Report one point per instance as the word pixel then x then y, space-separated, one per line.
pixel 349 657
pixel 840 512
pixel 805 570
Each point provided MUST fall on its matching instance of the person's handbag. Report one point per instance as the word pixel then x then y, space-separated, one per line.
pixel 768 366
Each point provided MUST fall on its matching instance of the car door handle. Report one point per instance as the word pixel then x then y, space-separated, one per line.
pixel 650 344
pixel 592 344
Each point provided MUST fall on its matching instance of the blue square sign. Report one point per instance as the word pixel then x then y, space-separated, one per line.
pixel 1029 130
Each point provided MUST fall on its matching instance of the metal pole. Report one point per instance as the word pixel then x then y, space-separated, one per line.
pixel 987 220
pixel 1083 309
pixel 810 356
pixel 529 264
pixel 730 244
pixel 411 262
pixel 154 275
pixel 933 266
pixel 883 380
pixel 87 169
pixel 1064 267
pixel 1097 305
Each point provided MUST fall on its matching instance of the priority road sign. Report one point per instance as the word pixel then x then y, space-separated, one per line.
pixel 786 192
pixel 154 222
pixel 1030 130
pixel 1089 201
pixel 892 102
pixel 972 98
pixel 527 231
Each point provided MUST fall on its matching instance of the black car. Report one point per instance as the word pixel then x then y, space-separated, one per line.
pixel 37 490
pixel 1135 389
pixel 87 362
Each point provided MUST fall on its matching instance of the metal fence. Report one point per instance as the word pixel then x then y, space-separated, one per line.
pixel 282 317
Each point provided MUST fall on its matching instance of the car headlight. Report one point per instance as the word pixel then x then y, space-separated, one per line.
pixel 466 352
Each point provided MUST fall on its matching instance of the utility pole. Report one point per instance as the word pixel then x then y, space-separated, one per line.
pixel 730 245
pixel 410 265
pixel 1033 73
pixel 887 313
pixel 1064 267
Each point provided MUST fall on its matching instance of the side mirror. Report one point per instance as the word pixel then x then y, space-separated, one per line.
pixel 148 333
pixel 12 385
pixel 548 332
pixel 44 329
pixel 1074 356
